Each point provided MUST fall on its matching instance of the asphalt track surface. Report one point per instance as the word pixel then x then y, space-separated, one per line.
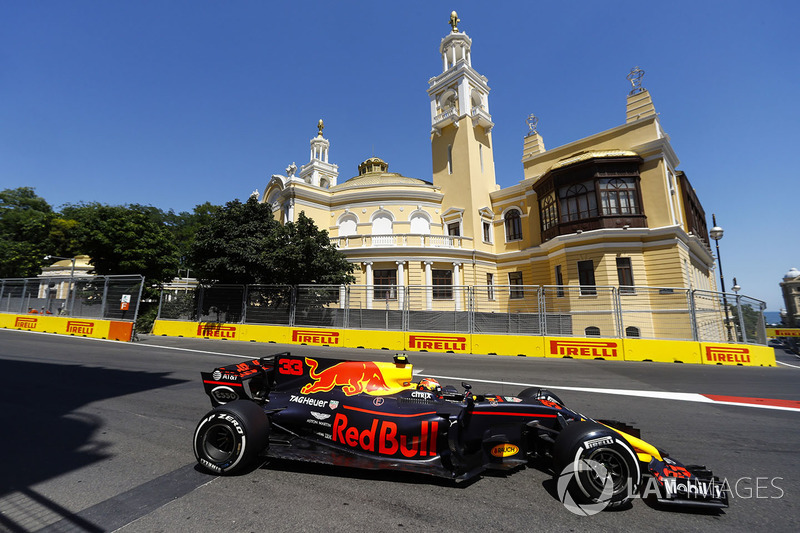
pixel 96 436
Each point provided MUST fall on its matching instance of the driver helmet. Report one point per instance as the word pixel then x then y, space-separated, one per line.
pixel 429 384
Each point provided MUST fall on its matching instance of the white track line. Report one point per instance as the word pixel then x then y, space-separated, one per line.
pixel 660 395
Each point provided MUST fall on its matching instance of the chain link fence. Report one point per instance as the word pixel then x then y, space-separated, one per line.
pixel 662 313
pixel 100 297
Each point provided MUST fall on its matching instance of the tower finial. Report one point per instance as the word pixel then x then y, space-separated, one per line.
pixel 454 20
pixel 533 122
pixel 635 77
pixel 320 127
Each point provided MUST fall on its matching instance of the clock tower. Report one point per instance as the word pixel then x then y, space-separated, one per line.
pixel 461 139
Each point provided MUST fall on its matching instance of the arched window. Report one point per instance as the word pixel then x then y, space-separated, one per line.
pixel 382 229
pixel 549 211
pixel 513 225
pixel 631 331
pixel 420 224
pixel 592 331
pixel 578 201
pixel 449 158
pixel 347 225
pixel 618 196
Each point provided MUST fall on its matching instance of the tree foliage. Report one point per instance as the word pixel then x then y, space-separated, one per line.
pixel 244 243
pixel 25 224
pixel 125 240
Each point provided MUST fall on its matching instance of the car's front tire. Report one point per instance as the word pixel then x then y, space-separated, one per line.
pixel 580 448
pixel 229 437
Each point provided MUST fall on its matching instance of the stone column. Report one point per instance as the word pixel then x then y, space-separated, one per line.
pixel 428 286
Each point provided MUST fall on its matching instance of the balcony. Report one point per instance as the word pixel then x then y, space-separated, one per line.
pixel 481 117
pixel 449 116
pixel 401 239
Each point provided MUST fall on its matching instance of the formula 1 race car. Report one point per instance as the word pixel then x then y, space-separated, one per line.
pixel 373 415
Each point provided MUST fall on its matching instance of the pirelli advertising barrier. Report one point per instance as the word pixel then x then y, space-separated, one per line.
pixel 531 346
pixel 80 327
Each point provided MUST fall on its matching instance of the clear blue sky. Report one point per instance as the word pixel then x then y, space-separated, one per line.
pixel 175 103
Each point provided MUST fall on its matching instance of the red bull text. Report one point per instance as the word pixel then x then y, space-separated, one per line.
pixel 382 438
pixel 583 349
pixel 727 354
pixel 354 377
pixel 440 343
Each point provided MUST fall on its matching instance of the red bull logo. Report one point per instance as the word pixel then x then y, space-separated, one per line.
pixel 727 354
pixel 354 377
pixel 382 438
pixel 440 343
pixel 216 331
pixel 26 322
pixel 80 327
pixel 583 349
pixel 311 336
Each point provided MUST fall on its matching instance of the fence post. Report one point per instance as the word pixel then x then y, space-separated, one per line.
pixel 542 311
pixel 202 291
pixel 160 301
pixel 742 327
pixel 105 296
pixel 138 301
pixel 292 305
pixel 693 314
pixel 2 290
pixel 618 311
pixel 244 303
pixel 345 297
pixel 24 296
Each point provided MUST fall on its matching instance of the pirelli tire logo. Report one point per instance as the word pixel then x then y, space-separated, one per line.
pixel 26 322
pixel 576 348
pixel 216 331
pixel 80 327
pixel 438 343
pixel 315 336
pixel 727 354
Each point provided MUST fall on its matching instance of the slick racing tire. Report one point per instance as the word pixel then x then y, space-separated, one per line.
pixel 578 451
pixel 229 437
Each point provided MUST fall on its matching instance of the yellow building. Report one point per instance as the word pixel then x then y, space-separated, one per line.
pixel 609 210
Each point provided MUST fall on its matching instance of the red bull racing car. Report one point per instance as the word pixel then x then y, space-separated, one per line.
pixel 374 415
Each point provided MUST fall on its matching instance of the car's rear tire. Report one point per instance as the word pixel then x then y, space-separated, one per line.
pixel 229 437
pixel 579 448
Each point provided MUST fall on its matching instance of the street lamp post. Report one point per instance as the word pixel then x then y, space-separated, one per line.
pixel 71 278
pixel 716 234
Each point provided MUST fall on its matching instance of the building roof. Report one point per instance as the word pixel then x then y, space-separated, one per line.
pixel 375 172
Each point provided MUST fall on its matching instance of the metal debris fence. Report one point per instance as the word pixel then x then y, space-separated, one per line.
pixel 664 313
pixel 99 297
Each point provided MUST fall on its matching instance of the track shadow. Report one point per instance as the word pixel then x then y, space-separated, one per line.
pixel 42 434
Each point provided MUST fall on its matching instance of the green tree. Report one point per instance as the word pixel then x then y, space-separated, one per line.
pixel 305 255
pixel 25 224
pixel 184 227
pixel 235 246
pixel 243 243
pixel 125 240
